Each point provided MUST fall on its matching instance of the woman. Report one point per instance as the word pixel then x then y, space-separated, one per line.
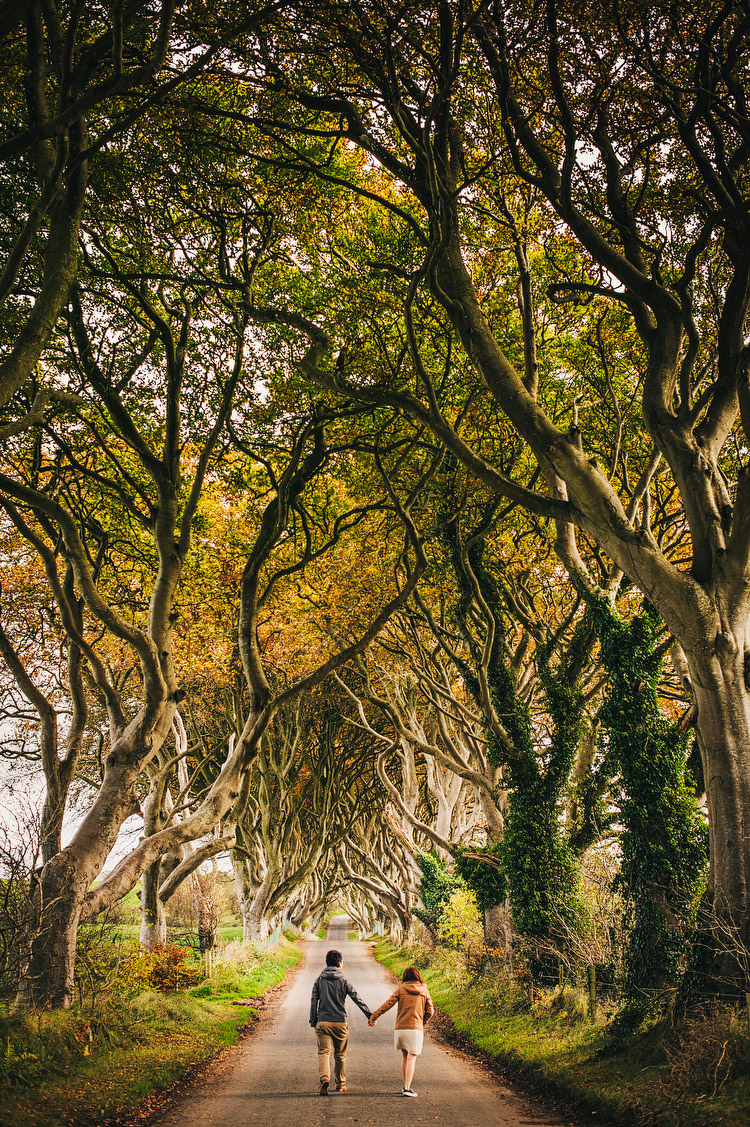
pixel 414 1009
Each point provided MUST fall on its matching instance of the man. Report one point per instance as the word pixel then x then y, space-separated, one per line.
pixel 328 1019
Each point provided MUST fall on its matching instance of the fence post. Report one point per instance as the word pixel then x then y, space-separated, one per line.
pixel 561 975
pixel 591 971
pixel 747 1007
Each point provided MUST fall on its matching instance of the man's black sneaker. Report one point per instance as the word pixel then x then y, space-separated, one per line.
pixel 323 1088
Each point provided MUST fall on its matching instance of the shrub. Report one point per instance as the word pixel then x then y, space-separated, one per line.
pixel 40 1045
pixel 569 1004
pixel 421 943
pixel 226 979
pixel 101 960
pixel 19 1066
pixel 510 985
pixel 164 968
pixel 460 924
pixel 450 964
pixel 238 954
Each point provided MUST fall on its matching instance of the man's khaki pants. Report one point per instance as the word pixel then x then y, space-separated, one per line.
pixel 332 1035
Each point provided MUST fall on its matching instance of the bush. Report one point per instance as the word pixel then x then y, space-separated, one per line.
pixel 227 979
pixel 568 1004
pixel 102 958
pixel 19 1066
pixel 460 924
pixel 237 954
pixel 19 846
pixel 450 965
pixel 34 1046
pixel 422 944
pixel 164 968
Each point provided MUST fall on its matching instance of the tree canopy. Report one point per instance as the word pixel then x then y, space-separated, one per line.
pixel 373 379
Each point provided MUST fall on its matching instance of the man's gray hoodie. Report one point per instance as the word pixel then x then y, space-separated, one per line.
pixel 329 994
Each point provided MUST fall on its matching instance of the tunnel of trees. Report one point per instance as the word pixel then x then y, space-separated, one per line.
pixel 375 483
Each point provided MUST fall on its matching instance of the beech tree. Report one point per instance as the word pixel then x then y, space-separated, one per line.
pixel 377 865
pixel 52 502
pixel 105 485
pixel 300 799
pixel 160 808
pixel 76 77
pixel 621 132
pixel 64 895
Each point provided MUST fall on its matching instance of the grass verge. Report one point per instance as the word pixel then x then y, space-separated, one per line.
pixel 141 1044
pixel 693 1075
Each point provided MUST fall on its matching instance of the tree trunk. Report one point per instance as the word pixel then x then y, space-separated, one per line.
pixel 497 927
pixel 493 815
pixel 245 889
pixel 254 922
pixel 206 927
pixel 47 980
pixel 297 915
pixel 153 917
pixel 255 911
pixel 723 730
pixel 204 901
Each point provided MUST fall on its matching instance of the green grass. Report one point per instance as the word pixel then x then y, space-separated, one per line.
pixel 229 934
pixel 130 933
pixel 140 1045
pixel 322 930
pixel 694 1076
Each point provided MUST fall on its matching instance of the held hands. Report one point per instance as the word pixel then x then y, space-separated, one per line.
pixel 372 1022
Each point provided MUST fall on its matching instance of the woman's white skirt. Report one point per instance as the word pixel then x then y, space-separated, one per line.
pixel 410 1040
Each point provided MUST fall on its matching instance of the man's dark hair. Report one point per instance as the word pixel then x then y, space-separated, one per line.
pixel 334 959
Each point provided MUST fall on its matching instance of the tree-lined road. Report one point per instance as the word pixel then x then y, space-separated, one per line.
pixel 271 1080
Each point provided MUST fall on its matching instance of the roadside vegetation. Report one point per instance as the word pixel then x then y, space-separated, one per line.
pixel 154 1016
pixel 678 1068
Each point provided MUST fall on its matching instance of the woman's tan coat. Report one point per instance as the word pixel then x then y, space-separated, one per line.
pixel 414 1005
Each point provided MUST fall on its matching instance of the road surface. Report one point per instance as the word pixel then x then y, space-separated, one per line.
pixel 271 1079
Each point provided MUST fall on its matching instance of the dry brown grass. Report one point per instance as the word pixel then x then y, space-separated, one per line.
pixel 708 1049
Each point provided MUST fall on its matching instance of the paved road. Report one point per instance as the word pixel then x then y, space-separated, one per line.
pixel 271 1080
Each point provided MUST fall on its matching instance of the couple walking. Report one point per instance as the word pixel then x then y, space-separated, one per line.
pixel 328 1019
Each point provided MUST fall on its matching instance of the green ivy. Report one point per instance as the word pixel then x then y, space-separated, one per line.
pixel 488 882
pixel 541 868
pixel 435 887
pixel 540 871
pixel 665 840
